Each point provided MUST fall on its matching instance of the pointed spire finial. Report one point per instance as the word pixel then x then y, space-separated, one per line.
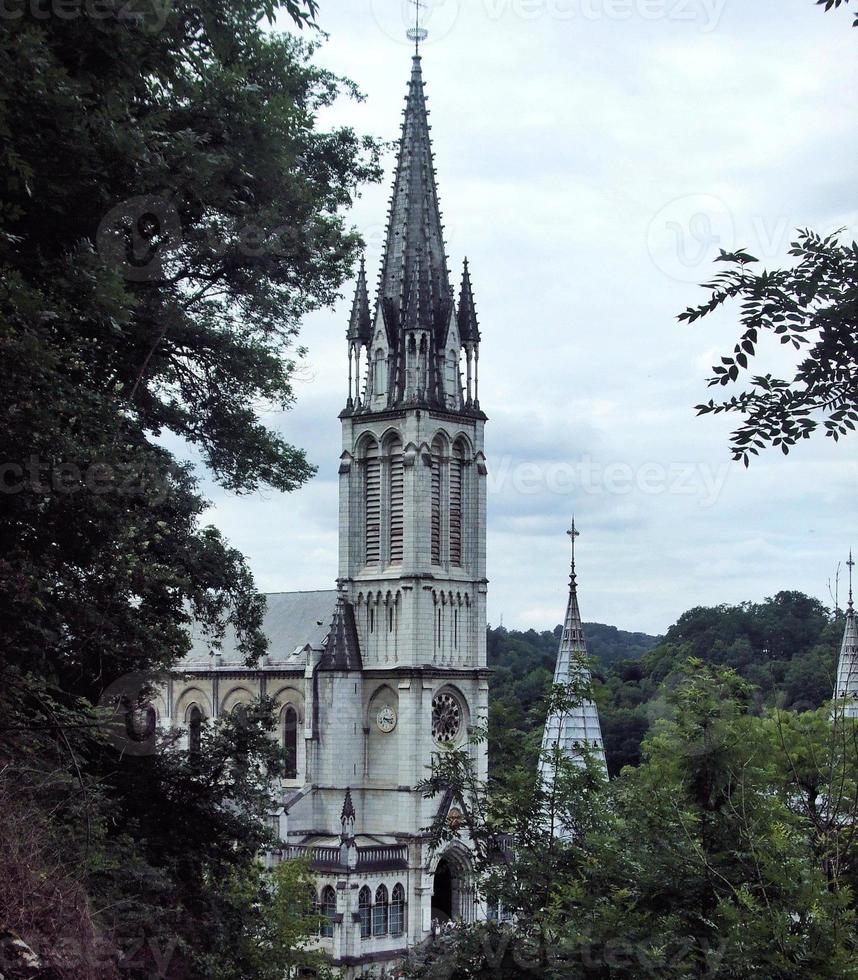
pixel 850 565
pixel 417 33
pixel 573 533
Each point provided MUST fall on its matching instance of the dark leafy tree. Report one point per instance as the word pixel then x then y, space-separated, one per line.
pixel 171 209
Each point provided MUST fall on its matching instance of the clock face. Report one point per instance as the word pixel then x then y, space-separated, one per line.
pixel 386 718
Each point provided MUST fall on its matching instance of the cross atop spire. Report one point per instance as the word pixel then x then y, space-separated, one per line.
pixel 850 565
pixel 417 33
pixel 573 533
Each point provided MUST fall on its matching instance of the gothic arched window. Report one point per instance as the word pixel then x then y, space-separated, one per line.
pixel 290 743
pixel 372 504
pixel 328 911
pixel 397 910
pixel 395 477
pixel 379 375
pixel 457 479
pixel 379 912
pixel 435 503
pixel 195 725
pixel 364 912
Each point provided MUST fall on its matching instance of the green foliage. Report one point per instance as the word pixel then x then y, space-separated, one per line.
pixel 704 861
pixel 171 209
pixel 523 670
pixel 786 646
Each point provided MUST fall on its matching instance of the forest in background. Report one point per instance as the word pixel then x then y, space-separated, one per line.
pixel 786 646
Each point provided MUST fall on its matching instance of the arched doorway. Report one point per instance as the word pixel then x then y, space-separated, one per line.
pixel 442 892
pixel 452 892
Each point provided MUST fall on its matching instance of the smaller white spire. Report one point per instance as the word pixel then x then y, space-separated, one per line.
pixel 580 727
pixel 847 664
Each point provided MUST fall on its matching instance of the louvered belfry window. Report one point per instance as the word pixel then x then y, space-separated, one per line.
pixel 372 504
pixel 457 472
pixel 437 447
pixel 395 481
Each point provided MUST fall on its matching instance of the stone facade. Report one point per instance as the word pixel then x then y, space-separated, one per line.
pixel 374 677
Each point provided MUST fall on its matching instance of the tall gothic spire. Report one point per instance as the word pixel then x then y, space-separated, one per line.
pixel 579 727
pixel 847 665
pixel 414 230
pixel 414 341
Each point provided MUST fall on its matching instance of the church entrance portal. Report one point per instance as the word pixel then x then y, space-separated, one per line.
pixel 452 893
pixel 442 892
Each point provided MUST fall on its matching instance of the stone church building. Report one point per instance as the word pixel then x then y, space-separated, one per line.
pixel 373 677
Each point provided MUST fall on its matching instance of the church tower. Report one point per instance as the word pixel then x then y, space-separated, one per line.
pixel 412 566
pixel 847 665
pixel 579 727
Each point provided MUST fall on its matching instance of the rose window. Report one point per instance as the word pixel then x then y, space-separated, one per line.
pixel 446 717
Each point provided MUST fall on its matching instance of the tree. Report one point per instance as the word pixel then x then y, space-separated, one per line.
pixel 171 210
pixel 813 307
pixel 701 862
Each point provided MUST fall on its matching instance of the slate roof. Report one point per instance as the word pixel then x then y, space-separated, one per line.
pixel 293 621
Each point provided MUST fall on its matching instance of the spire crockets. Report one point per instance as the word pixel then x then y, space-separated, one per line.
pixel 359 333
pixel 847 665
pixel 413 340
pixel 579 727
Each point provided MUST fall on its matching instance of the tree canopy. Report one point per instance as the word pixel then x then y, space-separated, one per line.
pixel 171 210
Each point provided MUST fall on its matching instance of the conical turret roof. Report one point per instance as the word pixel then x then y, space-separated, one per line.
pixel 414 231
pixel 579 727
pixel 847 664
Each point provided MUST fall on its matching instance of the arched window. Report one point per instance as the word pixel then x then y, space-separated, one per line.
pixel 379 912
pixel 379 375
pixel 397 910
pixel 364 911
pixel 195 725
pixel 435 503
pixel 372 505
pixel 457 476
pixel 290 743
pixel 328 911
pixel 396 474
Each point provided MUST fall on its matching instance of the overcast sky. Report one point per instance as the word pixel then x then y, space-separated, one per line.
pixel 592 156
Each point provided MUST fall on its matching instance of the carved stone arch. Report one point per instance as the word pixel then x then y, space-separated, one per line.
pixel 365 441
pixel 238 694
pixel 440 443
pixel 464 440
pixel 391 437
pixel 287 695
pixel 192 695
pixel 381 719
